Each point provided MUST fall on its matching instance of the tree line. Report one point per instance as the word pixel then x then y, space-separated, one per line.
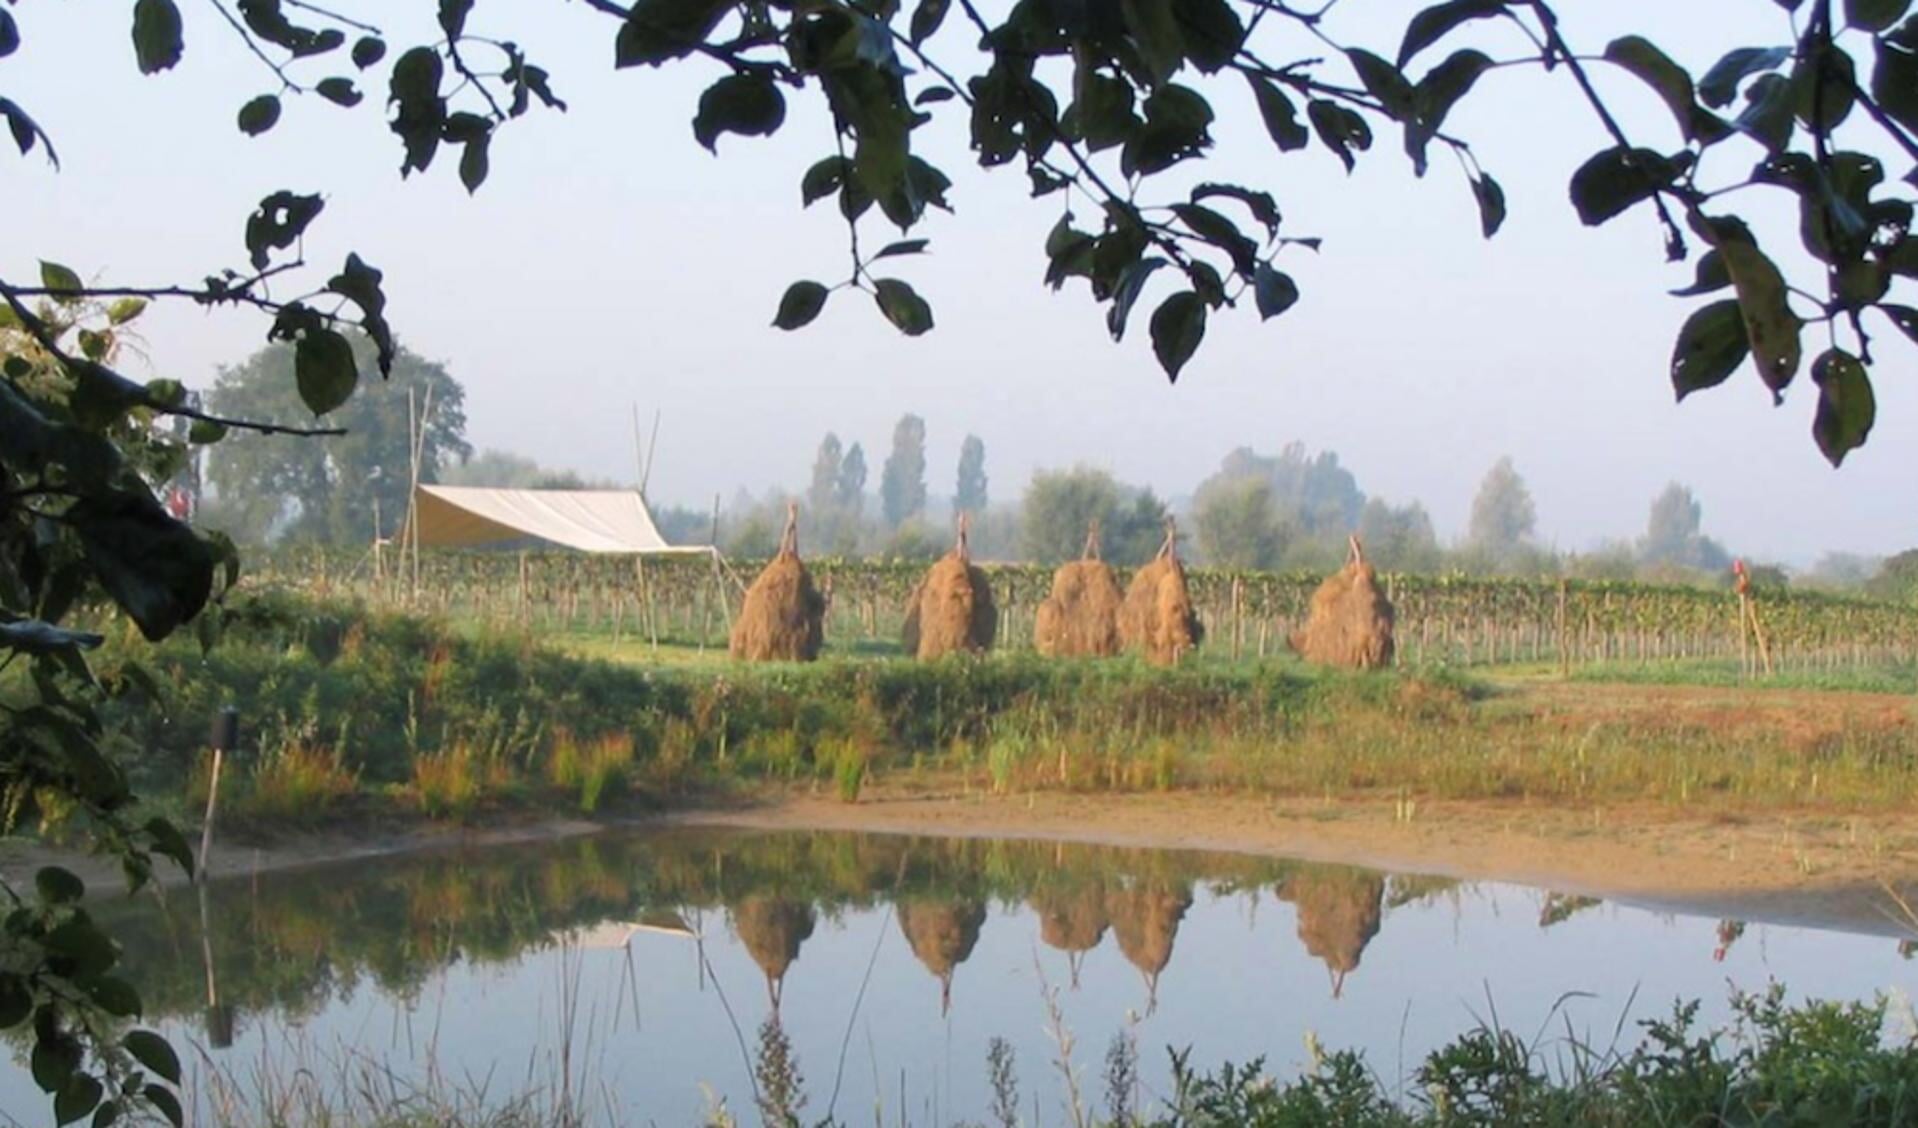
pixel 1287 510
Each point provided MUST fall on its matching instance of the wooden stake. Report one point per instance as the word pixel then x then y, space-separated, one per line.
pixel 226 734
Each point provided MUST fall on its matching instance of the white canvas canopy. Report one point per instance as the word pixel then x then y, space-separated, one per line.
pixel 614 521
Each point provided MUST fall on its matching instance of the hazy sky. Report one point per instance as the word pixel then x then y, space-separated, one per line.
pixel 612 261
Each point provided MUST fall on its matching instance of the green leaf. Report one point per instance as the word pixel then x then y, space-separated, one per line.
pixel 58 886
pixel 1125 293
pixel 1846 405
pixel 339 91
pixel 1491 204
pixel 324 369
pixel 1281 116
pixel 1904 317
pixel 81 941
pixel 154 1052
pixel 1341 130
pixel 800 304
pixel 926 18
pixel 1434 23
pixel 167 839
pixel 1261 204
pixel 368 50
pixel 1212 31
pixel 1894 83
pixel 1155 33
pixel 125 310
pixel 1875 15
pixel 1274 291
pixel 1101 113
pixel 77 1098
pixel 16 1001
pixel 475 161
pixel 747 104
pixel 658 31
pixel 903 306
pixel 1710 348
pixel 59 279
pixel 9 40
pixel 278 223
pixel 1770 324
pixel 156 35
pixel 1824 88
pixel 1221 232
pixel 53 1061
pixel 1178 326
pixel 1720 85
pixel 1614 180
pixel 1768 112
pixel 1670 82
pixel 1384 82
pixel 1434 97
pixel 1711 277
pixel 168 1104
pixel 259 115
pixel 823 179
pixel 902 247
pixel 453 15
pixel 115 996
pixel 108 1114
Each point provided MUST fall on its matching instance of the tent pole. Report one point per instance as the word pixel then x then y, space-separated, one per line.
pixel 419 458
pixel 652 448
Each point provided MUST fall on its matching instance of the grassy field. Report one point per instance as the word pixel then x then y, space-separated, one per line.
pixel 354 714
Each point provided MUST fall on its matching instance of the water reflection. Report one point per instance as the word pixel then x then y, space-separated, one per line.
pixel 477 940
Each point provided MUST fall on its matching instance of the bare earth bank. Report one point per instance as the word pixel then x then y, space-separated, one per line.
pixel 1838 872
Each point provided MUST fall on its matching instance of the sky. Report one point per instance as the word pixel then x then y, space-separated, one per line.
pixel 611 262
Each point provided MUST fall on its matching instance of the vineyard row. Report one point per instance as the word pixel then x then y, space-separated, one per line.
pixel 1454 618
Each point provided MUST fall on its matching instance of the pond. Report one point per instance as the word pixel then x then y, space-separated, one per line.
pixel 650 976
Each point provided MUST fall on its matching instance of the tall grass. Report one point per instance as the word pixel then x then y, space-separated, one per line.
pixel 453 725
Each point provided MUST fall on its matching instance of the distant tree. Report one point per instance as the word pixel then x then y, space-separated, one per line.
pixel 1672 534
pixel 326 489
pixel 1843 571
pixel 1237 522
pixel 1310 493
pixel 682 525
pixel 915 540
pixel 499 469
pixel 1504 518
pixel 1400 538
pixel 1897 578
pixel 1060 504
pixel 902 481
pixel 823 493
pixel 1613 560
pixel 1132 534
pixel 969 496
pixel 850 492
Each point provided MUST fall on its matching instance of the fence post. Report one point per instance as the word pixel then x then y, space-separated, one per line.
pixel 226 734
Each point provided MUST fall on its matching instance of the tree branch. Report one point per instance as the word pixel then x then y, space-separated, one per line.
pixel 138 394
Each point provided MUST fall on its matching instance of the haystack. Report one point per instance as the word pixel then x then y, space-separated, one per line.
pixel 1339 912
pixel 951 611
pixel 1072 921
pixel 1145 919
pixel 772 928
pixel 942 934
pixel 1157 617
pixel 782 618
pixel 1080 619
pixel 1351 620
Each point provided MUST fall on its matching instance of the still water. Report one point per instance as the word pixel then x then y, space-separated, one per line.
pixel 642 973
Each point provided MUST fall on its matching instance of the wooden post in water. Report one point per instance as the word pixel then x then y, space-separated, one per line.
pixel 226 734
